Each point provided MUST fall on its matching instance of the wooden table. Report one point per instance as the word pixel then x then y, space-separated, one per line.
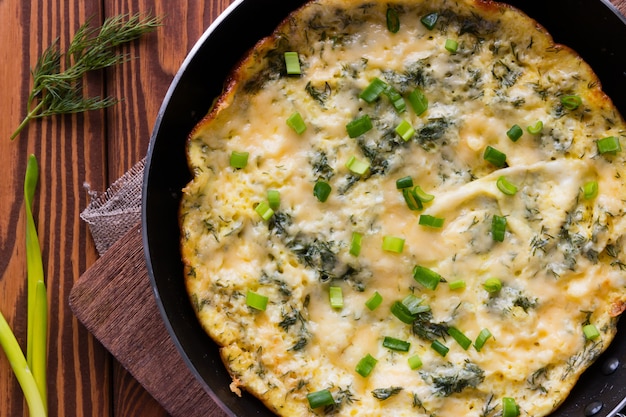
pixel 95 149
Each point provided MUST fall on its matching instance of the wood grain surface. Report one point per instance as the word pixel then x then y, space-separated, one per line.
pixel 90 149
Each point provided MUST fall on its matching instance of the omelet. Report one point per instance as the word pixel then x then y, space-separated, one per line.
pixel 407 208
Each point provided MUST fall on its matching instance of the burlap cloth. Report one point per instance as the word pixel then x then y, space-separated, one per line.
pixel 113 213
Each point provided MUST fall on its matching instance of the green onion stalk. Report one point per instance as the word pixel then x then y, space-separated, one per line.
pixel 30 370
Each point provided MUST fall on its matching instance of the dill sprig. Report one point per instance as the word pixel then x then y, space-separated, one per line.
pixel 58 76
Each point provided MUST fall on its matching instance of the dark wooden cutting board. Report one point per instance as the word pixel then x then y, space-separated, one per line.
pixel 115 302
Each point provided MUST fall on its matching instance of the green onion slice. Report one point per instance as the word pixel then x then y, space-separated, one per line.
pixel 404 182
pixel 373 90
pixel 374 301
pixel 421 195
pixel 264 210
pixel 238 160
pixel 336 297
pixel 536 128
pixel 414 304
pixel 411 199
pixel 464 341
pixel 359 126
pixel 366 365
pixel 590 190
pixel 405 130
pixel 571 102
pixel 430 20
pixel 514 133
pixel 273 198
pixel 418 101
pixel 431 221
pixel 396 344
pixel 322 190
pixel 506 186
pixel 509 407
pixel 457 285
pixel 427 277
pixel 393 20
pixel 440 348
pixel 355 244
pixel 492 285
pixel 494 156
pixel 591 332
pixel 396 98
pixel 402 313
pixel 296 122
pixel 393 244
pixel 357 166
pixel 498 228
pixel 322 398
pixel 415 362
pixel 609 145
pixel 451 45
pixel 292 63
pixel 481 339
pixel 256 301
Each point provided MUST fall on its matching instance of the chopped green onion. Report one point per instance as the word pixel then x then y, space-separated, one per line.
pixel 256 301
pixel 357 166
pixel 366 365
pixel 440 348
pixel 430 20
pixel 609 144
pixel 373 90
pixel 405 130
pixel 393 20
pixel 427 277
pixel 402 313
pixel 498 228
pixel 336 297
pixel 411 199
pixel 509 407
pixel 464 341
pixel 264 210
pixel 374 301
pixel 457 285
pixel 296 122
pixel 571 102
pixel 355 244
pixel 494 156
pixel 273 198
pixel 514 133
pixel 292 62
pixel 238 160
pixel 451 45
pixel 536 128
pixel 591 332
pixel 396 344
pixel 393 244
pixel 505 186
pixel 492 285
pixel 415 362
pixel 481 339
pixel 431 221
pixel 418 101
pixel 359 126
pixel 590 190
pixel 396 98
pixel 322 398
pixel 404 182
pixel 421 195
pixel 414 304
pixel 322 190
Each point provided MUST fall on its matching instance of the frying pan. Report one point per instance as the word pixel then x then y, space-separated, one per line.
pixel 593 28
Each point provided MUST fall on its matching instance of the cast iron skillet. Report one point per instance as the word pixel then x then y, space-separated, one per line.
pixel 592 27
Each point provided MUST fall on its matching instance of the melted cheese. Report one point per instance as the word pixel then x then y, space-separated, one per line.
pixel 560 263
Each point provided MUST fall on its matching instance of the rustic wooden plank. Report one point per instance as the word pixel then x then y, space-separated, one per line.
pixel 114 300
pixel 70 152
